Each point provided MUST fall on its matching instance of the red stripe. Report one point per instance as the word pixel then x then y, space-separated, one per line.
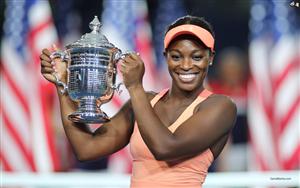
pixel 116 101
pixel 282 123
pixel 6 165
pixel 32 34
pixel 258 157
pixel 294 161
pixel 268 113
pixel 124 156
pixel 35 30
pixel 46 112
pixel 18 93
pixel 267 107
pixel 26 153
pixel 289 115
pixel 44 92
pixel 144 46
pixel 293 65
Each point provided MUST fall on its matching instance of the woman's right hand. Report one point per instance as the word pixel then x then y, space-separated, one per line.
pixel 49 67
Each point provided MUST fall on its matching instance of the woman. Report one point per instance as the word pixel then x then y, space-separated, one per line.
pixel 174 135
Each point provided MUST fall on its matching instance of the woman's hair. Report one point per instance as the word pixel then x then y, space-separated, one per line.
pixel 198 21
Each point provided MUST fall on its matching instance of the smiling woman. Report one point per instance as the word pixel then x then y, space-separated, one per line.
pixel 174 135
pixel 188 61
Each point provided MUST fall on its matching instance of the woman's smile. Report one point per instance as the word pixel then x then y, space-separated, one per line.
pixel 187 77
pixel 188 63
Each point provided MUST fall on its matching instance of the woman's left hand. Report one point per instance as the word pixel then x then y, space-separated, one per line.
pixel 133 69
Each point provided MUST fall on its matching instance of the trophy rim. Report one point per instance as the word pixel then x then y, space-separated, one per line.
pixel 90 118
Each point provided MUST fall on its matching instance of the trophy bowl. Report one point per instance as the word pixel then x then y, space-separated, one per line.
pixel 91 74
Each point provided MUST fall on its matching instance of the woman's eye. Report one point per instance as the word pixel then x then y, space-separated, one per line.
pixel 175 57
pixel 197 58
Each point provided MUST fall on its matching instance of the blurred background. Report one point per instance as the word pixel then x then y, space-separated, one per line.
pixel 257 64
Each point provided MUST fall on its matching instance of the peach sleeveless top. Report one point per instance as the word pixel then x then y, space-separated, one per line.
pixel 148 172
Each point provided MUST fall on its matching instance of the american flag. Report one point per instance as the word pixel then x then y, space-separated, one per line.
pixel 274 94
pixel 27 141
pixel 125 24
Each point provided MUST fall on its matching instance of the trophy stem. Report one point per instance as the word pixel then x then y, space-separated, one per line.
pixel 88 112
pixel 88 104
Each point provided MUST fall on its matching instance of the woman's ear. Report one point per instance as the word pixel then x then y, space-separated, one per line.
pixel 165 53
pixel 211 57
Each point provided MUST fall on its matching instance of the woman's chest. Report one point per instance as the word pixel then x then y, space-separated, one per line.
pixel 169 113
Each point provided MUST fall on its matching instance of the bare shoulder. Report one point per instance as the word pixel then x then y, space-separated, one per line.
pixel 222 101
pixel 220 107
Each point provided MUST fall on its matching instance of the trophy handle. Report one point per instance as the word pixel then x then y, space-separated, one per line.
pixel 117 88
pixel 65 58
pixel 117 56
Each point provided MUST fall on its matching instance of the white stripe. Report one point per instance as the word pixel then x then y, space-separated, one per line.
pixel 260 129
pixel 10 149
pixel 38 13
pixel 290 139
pixel 287 94
pixel 148 80
pixel 14 64
pixel 119 162
pixel 15 113
pixel 285 49
pixel 259 66
pixel 110 109
pixel 40 144
pixel 140 8
pixel 45 38
pixel 144 33
pixel 259 125
pixel 114 37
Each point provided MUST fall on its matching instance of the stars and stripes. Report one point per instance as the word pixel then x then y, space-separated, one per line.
pixel 27 141
pixel 274 95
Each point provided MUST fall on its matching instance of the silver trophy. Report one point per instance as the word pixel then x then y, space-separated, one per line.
pixel 91 74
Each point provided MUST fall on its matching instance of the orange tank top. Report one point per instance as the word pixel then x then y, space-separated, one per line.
pixel 148 172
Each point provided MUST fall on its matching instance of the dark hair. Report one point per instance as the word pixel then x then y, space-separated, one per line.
pixel 199 21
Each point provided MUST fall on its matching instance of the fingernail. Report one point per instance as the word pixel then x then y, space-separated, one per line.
pixel 54 46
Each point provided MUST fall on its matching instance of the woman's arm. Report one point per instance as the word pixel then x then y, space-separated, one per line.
pixel 107 139
pixel 213 120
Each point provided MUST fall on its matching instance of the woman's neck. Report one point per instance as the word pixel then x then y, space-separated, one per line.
pixel 176 94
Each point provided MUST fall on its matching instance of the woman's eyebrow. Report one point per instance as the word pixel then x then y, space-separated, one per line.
pixel 174 50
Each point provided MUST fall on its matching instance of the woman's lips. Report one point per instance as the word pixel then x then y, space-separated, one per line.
pixel 187 77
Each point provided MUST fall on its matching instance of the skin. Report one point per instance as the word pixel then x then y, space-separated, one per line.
pixel 209 127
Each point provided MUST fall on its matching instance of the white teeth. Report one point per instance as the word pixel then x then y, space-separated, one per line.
pixel 187 77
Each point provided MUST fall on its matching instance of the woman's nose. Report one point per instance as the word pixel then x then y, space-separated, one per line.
pixel 186 64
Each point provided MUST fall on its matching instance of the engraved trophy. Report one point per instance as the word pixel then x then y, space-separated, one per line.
pixel 91 74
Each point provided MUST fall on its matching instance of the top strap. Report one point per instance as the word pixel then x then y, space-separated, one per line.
pixel 188 112
pixel 158 96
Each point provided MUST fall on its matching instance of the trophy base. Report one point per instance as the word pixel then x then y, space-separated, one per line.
pixel 87 117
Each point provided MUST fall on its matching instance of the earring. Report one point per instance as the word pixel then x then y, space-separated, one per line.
pixel 210 63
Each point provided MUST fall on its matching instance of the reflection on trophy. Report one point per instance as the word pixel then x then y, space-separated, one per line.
pixel 91 74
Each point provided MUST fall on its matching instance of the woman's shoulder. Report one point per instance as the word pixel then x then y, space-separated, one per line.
pixel 218 105
pixel 221 99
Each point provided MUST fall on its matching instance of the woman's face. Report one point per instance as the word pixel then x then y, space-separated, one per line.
pixel 188 63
